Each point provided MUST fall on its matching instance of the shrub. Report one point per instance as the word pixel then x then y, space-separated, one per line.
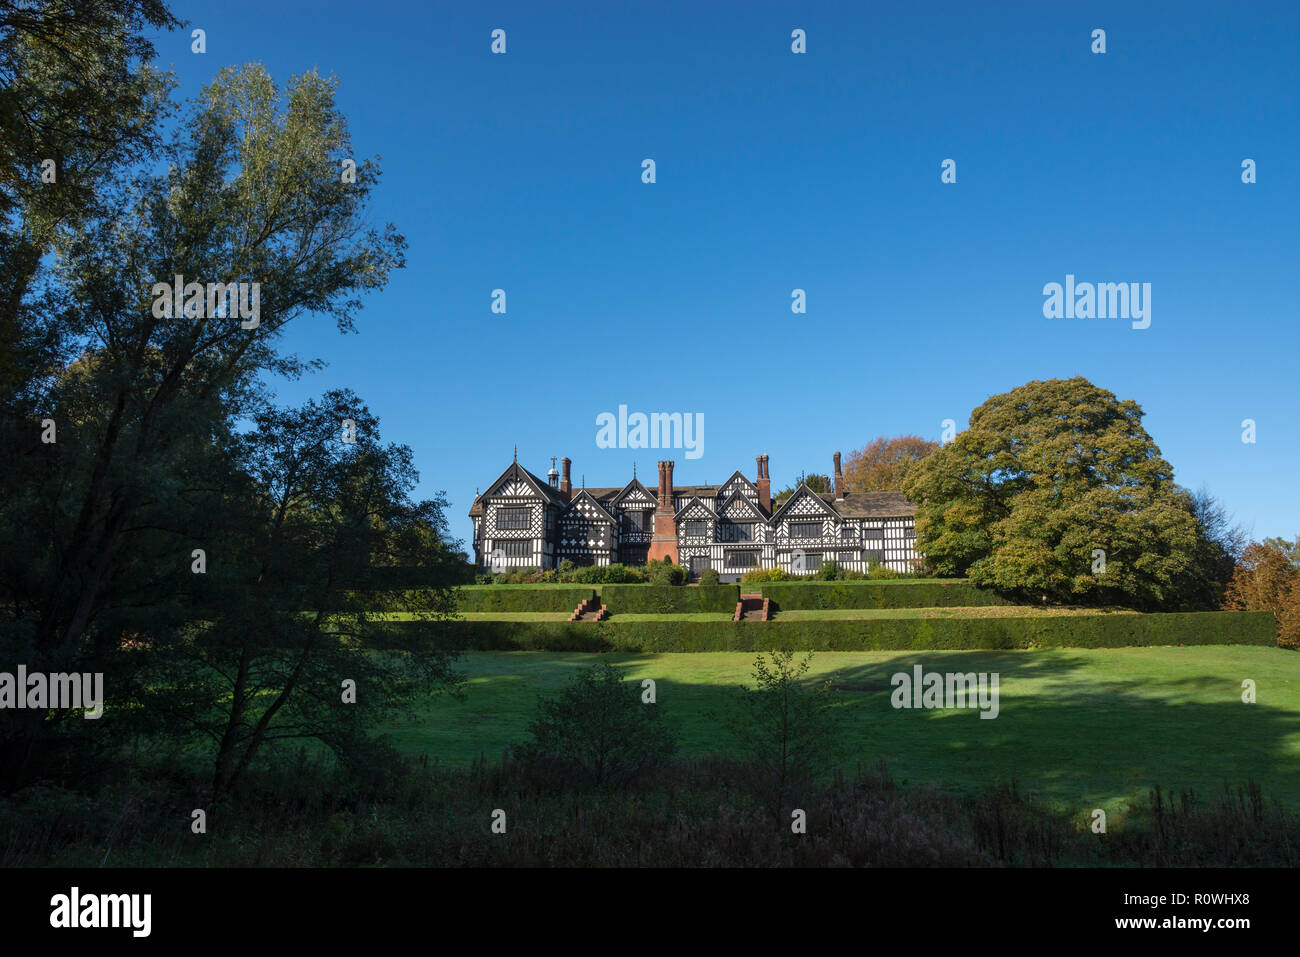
pixel 668 574
pixel 599 726
pixel 829 570
pixel 887 634
pixel 669 599
pixel 709 576
pixel 541 598
pixel 877 594
pixel 785 727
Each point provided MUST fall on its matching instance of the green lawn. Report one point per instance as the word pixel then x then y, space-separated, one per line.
pixel 1078 727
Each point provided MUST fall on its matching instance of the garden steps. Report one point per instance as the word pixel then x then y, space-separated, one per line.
pixel 753 608
pixel 590 610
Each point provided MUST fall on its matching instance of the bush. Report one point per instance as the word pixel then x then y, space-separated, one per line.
pixel 829 570
pixel 668 574
pixel 669 599
pixel 886 634
pixel 599 727
pixel 541 598
pixel 862 594
pixel 709 576
pixel 765 575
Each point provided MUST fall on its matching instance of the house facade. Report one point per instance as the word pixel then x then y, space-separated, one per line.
pixel 523 521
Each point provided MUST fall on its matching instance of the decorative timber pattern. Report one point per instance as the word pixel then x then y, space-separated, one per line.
pixel 523 521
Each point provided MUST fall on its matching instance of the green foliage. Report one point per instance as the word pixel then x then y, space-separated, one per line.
pixel 666 573
pixel 755 575
pixel 276 627
pixel 669 599
pixel 496 598
pixel 898 634
pixel 150 460
pixel 1045 474
pixel 709 576
pixel 599 730
pixel 798 595
pixel 784 728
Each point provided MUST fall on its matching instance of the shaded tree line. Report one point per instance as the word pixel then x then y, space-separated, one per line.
pixel 169 526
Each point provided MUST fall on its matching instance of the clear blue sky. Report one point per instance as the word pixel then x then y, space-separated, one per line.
pixel 819 171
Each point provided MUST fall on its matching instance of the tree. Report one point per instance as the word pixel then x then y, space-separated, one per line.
pixel 599 728
pixel 1219 546
pixel 882 464
pixel 1267 578
pixel 783 726
pixel 278 627
pixel 1057 489
pixel 78 103
pixel 818 483
pixel 142 401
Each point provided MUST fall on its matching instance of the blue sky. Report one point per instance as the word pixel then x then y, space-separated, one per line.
pixel 818 171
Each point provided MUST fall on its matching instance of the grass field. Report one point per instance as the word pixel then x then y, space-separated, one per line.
pixel 1077 727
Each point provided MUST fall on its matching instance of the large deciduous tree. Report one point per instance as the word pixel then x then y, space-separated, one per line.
pixel 1057 489
pixel 315 501
pixel 143 402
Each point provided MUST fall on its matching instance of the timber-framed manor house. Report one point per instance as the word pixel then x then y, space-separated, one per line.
pixel 522 521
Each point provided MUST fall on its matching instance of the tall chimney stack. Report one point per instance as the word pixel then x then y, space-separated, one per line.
pixel 663 544
pixel 566 486
pixel 764 484
pixel 839 480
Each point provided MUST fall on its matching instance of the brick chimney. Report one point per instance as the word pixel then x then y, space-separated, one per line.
pixel 764 484
pixel 663 544
pixel 566 486
pixel 839 480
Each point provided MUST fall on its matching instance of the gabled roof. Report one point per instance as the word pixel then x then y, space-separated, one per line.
pixel 583 496
pixel 516 472
pixel 631 487
pixel 753 507
pixel 694 500
pixel 739 475
pixel 802 492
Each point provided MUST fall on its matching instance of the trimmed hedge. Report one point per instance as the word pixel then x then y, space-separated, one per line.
pixel 669 599
pixel 887 634
pixel 793 596
pixel 523 598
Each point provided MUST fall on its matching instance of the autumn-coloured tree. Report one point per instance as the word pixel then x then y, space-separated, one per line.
pixel 882 463
pixel 1267 578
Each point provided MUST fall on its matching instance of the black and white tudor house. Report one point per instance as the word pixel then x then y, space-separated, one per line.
pixel 521 521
